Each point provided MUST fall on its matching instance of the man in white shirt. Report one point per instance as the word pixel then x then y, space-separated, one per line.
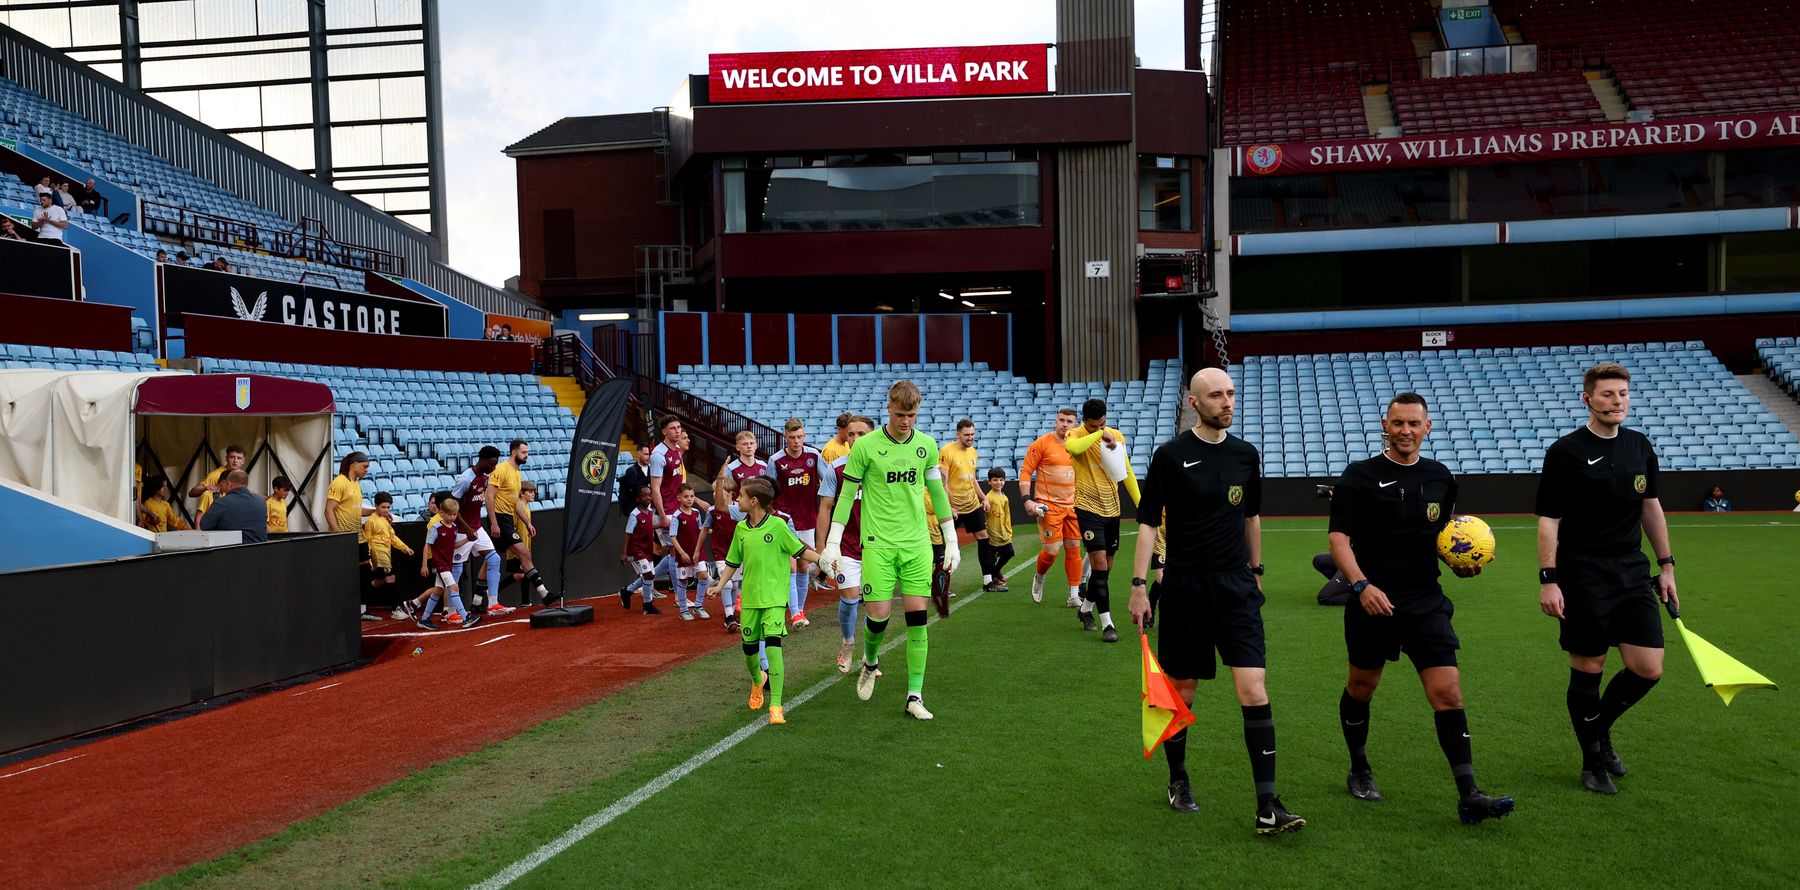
pixel 49 219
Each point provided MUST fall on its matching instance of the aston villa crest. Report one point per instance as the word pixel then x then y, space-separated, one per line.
pixel 242 392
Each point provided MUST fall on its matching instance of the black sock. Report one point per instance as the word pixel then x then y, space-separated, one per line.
pixel 986 552
pixel 1627 688
pixel 1259 740
pixel 1003 554
pixel 533 580
pixel 1098 591
pixel 1584 715
pixel 1353 716
pixel 1453 737
pixel 1175 749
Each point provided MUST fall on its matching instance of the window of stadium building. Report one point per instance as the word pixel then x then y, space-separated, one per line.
pixel 1763 177
pixel 1340 200
pixel 1164 187
pixel 882 190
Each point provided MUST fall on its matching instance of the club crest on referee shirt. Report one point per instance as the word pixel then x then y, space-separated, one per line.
pixel 1638 483
pixel 1431 512
pixel 1235 494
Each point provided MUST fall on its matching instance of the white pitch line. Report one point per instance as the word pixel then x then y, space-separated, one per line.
pixel 33 769
pixel 439 633
pixel 494 640
pixel 320 689
pixel 626 804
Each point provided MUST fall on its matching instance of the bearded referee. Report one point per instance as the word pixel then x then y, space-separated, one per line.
pixel 1207 484
pixel 1386 512
pixel 1596 500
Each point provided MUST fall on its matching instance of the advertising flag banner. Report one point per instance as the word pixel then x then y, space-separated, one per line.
pixel 592 457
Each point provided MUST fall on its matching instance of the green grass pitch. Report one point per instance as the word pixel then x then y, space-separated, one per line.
pixel 1031 774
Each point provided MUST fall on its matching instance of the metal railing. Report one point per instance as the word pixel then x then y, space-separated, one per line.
pixel 309 239
pixel 712 428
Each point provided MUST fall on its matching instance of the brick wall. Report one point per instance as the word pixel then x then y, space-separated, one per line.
pixel 612 198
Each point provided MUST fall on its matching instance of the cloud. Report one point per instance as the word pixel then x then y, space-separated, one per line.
pixel 513 68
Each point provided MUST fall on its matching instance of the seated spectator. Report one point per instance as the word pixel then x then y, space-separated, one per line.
pixel 10 229
pixel 44 187
pixel 162 256
pixel 157 514
pixel 279 489
pixel 66 198
pixel 209 486
pixel 219 265
pixel 1716 502
pixel 49 220
pixel 87 197
pixel 505 333
pixel 237 510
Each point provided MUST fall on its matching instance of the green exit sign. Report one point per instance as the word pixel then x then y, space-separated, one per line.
pixel 1466 13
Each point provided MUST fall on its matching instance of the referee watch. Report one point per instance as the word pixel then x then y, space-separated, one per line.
pixel 1357 587
pixel 1667 561
pixel 1139 582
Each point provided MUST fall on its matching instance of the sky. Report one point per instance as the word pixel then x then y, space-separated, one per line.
pixel 513 68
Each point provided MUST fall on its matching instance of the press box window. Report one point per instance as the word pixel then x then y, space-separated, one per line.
pixel 1165 192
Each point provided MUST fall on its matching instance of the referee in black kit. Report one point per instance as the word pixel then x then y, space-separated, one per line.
pixel 1208 485
pixel 1386 513
pixel 1595 501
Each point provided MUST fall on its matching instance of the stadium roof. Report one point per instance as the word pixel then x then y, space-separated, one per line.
pixel 597 132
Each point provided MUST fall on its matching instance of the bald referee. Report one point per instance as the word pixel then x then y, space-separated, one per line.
pixel 1386 513
pixel 1596 500
pixel 1207 485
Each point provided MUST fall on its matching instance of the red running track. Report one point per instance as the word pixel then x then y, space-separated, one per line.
pixel 145 803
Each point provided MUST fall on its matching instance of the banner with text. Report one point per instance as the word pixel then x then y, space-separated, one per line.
pixel 927 72
pixel 206 292
pixel 1761 130
pixel 513 327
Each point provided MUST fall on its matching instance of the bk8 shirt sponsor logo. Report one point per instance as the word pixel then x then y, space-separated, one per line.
pixel 907 477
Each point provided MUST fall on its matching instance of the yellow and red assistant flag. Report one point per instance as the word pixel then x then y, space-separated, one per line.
pixel 1164 712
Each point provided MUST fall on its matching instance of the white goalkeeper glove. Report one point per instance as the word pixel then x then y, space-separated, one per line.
pixel 952 554
pixel 832 557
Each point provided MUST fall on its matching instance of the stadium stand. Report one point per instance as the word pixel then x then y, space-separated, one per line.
pixel 1295 71
pixel 1493 102
pixel 1008 411
pixel 27 117
pixel 62 358
pixel 421 428
pixel 1496 410
pixel 1781 361
pixel 1651 47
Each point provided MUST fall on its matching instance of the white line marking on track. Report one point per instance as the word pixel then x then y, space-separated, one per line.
pixel 439 633
pixel 494 640
pixel 33 769
pixel 319 689
pixel 626 804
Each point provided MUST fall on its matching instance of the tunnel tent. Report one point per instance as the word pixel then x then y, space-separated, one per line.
pixel 76 435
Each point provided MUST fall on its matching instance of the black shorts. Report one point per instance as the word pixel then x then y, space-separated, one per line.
pixel 972 521
pixel 1200 613
pixel 1420 625
pixel 1607 601
pixel 509 532
pixel 1098 532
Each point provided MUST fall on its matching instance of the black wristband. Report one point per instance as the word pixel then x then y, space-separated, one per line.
pixel 1139 582
pixel 1256 570
pixel 1667 560
pixel 1358 587
pixel 1547 576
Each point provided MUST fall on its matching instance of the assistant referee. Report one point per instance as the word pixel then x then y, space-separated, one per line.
pixel 1207 484
pixel 1596 499
pixel 1386 512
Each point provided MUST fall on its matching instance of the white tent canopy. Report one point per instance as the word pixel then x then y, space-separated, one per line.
pixel 79 435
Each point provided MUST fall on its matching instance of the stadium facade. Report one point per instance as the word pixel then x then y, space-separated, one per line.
pixel 957 179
